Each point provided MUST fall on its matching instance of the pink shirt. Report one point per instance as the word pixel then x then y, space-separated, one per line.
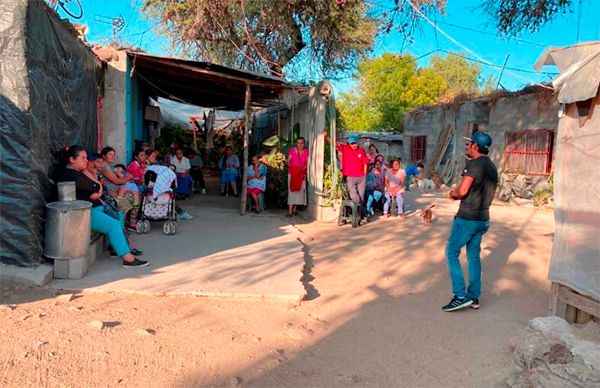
pixel 137 171
pixel 296 159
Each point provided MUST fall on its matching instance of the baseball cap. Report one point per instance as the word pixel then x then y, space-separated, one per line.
pixel 91 155
pixel 482 139
pixel 353 139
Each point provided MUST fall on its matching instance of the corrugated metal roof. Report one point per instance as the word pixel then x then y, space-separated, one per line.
pixel 579 68
pixel 204 84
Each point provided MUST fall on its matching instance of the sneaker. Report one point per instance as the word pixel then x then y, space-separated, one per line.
pixel 131 228
pixel 203 191
pixel 134 263
pixel 136 252
pixel 475 304
pixel 186 216
pixel 457 304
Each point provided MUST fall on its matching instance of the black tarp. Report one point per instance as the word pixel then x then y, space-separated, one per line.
pixel 49 85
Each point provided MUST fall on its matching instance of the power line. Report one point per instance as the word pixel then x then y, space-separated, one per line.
pixel 492 34
pixel 422 15
pixel 496 65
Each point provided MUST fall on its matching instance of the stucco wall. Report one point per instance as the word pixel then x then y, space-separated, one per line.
pixel 114 109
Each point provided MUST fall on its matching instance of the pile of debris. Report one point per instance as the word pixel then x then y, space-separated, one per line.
pixel 524 186
pixel 552 353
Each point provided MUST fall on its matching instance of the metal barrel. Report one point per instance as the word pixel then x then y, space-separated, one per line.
pixel 66 191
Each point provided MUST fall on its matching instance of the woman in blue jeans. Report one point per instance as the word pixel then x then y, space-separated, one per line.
pixel 74 162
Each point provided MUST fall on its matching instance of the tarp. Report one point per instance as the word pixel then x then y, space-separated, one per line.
pixel 575 258
pixel 48 96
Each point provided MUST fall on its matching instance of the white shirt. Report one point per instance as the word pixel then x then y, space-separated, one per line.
pixel 182 165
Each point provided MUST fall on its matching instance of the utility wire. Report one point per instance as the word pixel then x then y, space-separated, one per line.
pixel 422 15
pixel 492 34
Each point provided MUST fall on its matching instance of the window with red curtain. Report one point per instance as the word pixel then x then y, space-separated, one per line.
pixel 528 152
pixel 417 148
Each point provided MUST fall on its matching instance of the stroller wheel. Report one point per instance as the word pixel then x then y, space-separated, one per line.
pixel 147 226
pixel 139 227
pixel 169 228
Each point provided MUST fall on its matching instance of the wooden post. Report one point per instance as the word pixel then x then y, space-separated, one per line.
pixel 247 124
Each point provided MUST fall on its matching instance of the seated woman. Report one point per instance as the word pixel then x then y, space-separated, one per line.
pixel 182 169
pixel 120 185
pixel 394 188
pixel 256 181
pixel 229 165
pixel 74 163
pixel 375 187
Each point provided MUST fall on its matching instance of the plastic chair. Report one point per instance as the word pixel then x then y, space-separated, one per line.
pixel 349 212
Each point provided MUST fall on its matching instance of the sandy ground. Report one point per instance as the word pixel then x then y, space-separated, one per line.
pixel 372 317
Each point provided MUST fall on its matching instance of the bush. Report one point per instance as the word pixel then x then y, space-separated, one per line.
pixel 276 193
pixel 540 198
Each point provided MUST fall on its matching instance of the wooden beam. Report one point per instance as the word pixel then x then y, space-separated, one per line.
pixel 248 110
pixel 578 301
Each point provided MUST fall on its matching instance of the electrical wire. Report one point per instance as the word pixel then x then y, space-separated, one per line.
pixel 449 37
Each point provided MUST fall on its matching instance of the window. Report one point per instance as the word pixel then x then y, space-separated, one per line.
pixel 528 152
pixel 417 148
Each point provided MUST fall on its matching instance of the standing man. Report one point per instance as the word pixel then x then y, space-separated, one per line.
pixel 476 192
pixel 354 167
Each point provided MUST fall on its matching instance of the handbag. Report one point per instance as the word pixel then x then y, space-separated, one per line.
pixel 110 205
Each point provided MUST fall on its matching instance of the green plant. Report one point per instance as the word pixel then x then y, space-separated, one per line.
pixel 332 191
pixel 276 193
pixel 540 198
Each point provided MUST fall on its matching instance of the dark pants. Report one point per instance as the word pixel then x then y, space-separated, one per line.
pixel 198 178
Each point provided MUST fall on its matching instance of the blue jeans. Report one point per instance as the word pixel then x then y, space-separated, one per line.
pixel 388 202
pixel 373 196
pixel 112 228
pixel 469 233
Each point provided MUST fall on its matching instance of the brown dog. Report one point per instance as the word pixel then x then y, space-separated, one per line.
pixel 427 214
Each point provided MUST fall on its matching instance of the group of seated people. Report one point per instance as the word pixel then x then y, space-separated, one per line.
pixel 387 182
pixel 85 169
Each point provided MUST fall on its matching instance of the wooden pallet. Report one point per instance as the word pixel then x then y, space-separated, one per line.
pixel 439 150
pixel 572 306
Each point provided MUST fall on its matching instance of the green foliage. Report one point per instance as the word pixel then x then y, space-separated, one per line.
pixel 265 35
pixel 513 17
pixel 276 193
pixel 388 86
pixel 171 133
pixel 461 76
pixel 541 198
pixel 332 193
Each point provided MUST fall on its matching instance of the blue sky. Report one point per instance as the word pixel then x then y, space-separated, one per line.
pixel 464 13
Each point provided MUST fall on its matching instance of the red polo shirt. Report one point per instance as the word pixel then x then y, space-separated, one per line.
pixel 353 161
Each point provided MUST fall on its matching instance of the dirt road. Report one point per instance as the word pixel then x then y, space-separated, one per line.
pixel 373 317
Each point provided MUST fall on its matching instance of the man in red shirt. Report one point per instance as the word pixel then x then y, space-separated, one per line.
pixel 354 167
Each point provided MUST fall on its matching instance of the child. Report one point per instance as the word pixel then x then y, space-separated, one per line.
pixel 127 187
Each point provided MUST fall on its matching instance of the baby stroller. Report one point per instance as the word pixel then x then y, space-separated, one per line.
pixel 158 202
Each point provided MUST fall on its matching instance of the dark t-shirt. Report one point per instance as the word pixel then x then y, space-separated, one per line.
pixel 476 204
pixel 84 186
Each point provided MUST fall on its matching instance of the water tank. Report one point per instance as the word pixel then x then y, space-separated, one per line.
pixel 67 225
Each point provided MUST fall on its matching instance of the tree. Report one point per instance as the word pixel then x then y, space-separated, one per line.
pixel 461 76
pixel 514 16
pixel 269 35
pixel 265 35
pixel 388 86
